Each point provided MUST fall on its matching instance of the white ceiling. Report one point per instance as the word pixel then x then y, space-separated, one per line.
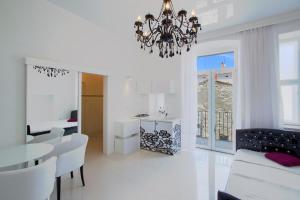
pixel 119 16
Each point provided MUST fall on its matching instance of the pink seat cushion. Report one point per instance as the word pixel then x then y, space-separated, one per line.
pixel 72 120
pixel 283 159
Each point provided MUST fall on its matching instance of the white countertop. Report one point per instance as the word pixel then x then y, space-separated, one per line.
pixel 161 119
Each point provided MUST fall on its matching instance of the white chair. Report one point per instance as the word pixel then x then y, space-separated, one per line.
pixel 70 156
pixel 34 183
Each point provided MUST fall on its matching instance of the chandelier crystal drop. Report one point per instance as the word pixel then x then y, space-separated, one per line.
pixel 170 32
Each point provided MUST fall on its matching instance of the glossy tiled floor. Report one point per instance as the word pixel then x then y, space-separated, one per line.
pixel 149 176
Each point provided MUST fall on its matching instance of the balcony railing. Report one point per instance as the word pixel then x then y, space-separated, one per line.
pixel 223 125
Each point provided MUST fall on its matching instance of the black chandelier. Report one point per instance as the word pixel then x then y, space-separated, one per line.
pixel 51 71
pixel 170 31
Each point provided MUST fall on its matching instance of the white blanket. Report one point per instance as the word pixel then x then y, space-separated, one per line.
pixel 259 159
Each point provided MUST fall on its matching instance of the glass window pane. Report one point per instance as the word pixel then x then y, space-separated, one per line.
pixel 203 105
pixel 289 60
pixel 223 107
pixel 290 103
pixel 215 62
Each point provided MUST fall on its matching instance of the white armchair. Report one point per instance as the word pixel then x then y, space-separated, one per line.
pixel 70 156
pixel 34 183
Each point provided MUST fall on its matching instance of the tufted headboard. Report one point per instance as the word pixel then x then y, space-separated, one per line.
pixel 268 140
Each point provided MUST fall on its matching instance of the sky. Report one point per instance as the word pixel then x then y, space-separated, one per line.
pixel 213 62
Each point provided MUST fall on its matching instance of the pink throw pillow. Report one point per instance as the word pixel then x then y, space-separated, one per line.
pixel 72 120
pixel 283 159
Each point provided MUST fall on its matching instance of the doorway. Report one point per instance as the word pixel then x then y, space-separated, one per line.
pixel 92 103
pixel 215 102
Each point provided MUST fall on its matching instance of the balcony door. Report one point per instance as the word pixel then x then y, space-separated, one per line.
pixel 215 102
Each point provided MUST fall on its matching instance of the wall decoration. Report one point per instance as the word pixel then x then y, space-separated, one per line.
pixel 51 71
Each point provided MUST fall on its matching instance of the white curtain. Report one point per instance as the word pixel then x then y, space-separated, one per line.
pixel 258 98
pixel 189 100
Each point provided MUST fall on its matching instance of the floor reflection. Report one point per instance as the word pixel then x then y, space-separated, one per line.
pixel 196 175
pixel 212 172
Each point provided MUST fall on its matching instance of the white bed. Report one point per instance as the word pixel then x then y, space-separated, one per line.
pixel 253 177
pixel 38 127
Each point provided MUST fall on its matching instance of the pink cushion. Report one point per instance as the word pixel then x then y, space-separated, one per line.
pixel 283 159
pixel 72 120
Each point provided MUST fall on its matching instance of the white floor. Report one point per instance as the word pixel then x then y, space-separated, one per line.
pixel 146 175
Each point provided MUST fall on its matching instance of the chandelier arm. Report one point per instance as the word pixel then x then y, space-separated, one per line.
pixel 150 28
pixel 156 22
pixel 178 29
pixel 181 22
pixel 150 44
pixel 147 43
pixel 159 33
pixel 185 34
pixel 181 32
pixel 173 10
pixel 180 19
pixel 158 18
pixel 172 29
pixel 185 23
pixel 156 37
pixel 160 13
pixel 190 39
pixel 177 41
pixel 145 40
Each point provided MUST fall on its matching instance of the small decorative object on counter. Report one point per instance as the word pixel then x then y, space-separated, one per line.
pixel 162 112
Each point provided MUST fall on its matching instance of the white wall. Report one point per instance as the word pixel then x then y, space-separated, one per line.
pixel 49 98
pixel 157 102
pixel 155 68
pixel 37 28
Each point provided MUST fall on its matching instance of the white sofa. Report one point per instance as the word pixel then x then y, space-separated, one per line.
pixel 254 177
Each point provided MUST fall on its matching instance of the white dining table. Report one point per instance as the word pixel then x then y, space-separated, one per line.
pixel 23 153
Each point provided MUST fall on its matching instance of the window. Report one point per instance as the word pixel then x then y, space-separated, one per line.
pixel 215 61
pixel 290 77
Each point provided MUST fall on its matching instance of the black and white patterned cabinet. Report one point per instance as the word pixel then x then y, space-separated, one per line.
pixel 162 136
